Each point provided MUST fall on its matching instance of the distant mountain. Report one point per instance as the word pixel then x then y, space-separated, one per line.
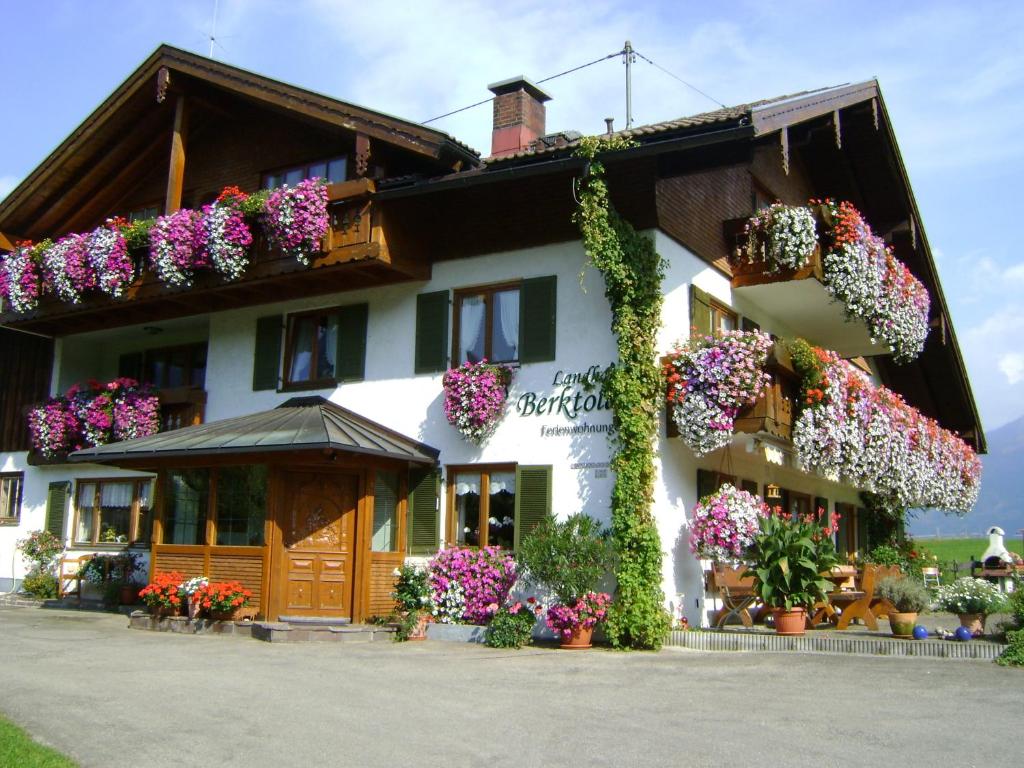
pixel 1001 501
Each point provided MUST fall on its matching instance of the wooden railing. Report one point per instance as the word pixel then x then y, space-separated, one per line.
pixel 745 272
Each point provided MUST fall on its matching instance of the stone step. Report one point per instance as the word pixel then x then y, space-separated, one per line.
pixel 314 621
pixel 290 632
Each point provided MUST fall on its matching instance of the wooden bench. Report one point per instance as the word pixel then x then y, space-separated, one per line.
pixel 736 591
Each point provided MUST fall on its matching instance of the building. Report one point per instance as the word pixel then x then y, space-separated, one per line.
pixel 305 448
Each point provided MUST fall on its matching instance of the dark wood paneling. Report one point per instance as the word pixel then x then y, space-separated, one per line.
pixel 25 362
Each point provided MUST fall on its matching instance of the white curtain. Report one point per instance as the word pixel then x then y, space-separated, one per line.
pixel 471 327
pixel 508 314
pixel 503 481
pixel 466 484
pixel 116 494
pixel 303 352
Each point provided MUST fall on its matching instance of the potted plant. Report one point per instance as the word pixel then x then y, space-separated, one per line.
pixel 972 600
pixel 512 626
pixel 43 550
pixel 163 595
pixel 724 523
pixel 413 604
pixel 222 601
pixel 191 590
pixel 908 597
pixel 569 558
pixel 789 555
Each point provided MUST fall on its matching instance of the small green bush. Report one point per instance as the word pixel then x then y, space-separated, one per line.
pixel 568 557
pixel 40 585
pixel 1013 655
pixel 907 594
pixel 1015 603
pixel 511 627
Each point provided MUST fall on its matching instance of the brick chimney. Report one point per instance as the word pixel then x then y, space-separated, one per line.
pixel 518 115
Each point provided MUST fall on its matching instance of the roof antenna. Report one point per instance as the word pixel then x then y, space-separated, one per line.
pixel 628 58
pixel 213 28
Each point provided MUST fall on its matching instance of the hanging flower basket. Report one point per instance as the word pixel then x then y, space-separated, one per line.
pixel 67 268
pixel 109 259
pixel 710 379
pixel 223 234
pixel 724 524
pixel 782 236
pixel 175 247
pixel 20 278
pixel 295 219
pixel 474 398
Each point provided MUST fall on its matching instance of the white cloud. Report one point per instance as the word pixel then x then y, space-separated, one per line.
pixel 7 183
pixel 1015 273
pixel 1012 366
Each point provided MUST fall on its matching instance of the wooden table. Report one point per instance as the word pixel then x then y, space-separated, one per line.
pixel 840 576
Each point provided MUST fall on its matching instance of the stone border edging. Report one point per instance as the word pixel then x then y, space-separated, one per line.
pixel 698 640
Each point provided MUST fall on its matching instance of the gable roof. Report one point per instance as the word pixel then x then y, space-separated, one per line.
pixel 131 107
pixel 299 424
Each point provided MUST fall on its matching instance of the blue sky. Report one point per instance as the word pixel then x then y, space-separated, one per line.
pixel 951 73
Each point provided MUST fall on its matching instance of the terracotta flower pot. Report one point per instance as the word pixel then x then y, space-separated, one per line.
pixel 974 622
pixel 163 610
pixel 580 640
pixel 223 615
pixel 419 632
pixel 902 623
pixel 792 622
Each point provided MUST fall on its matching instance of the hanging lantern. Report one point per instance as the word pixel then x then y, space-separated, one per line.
pixel 772 492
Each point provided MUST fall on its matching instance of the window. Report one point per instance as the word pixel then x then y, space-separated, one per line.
pixel 487 324
pixel 113 511
pixel 332 171
pixel 722 318
pixel 170 367
pixel 142 214
pixel 385 512
pixel 238 514
pixel 10 496
pixel 326 346
pixel 709 316
pixel 495 505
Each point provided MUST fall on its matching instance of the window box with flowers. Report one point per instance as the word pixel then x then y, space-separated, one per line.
pixel 474 398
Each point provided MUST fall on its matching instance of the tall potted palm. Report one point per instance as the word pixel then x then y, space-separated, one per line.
pixel 788 558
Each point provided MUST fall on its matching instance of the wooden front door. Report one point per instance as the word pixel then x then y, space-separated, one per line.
pixel 315 575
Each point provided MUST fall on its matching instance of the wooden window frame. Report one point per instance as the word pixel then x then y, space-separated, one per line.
pixel 487 291
pixel 485 471
pixel 13 519
pixel 719 310
pixel 304 168
pixel 97 519
pixel 212 512
pixel 290 322
pixel 191 350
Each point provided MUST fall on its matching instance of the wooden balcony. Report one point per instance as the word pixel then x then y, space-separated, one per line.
pixel 775 411
pixel 797 299
pixel 361 249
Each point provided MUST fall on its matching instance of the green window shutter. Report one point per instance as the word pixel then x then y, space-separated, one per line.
pixel 537 312
pixel 533 499
pixel 707 483
pixel 351 355
pixel 700 311
pixel 424 520
pixel 267 360
pixel 57 507
pixel 748 325
pixel 820 502
pixel 431 332
pixel 129 366
pixel 750 486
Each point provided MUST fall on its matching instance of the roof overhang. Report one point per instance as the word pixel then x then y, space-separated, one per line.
pixel 299 424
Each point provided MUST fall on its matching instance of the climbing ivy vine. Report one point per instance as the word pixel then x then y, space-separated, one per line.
pixel 633 272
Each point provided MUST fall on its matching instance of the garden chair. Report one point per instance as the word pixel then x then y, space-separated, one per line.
pixel 931 576
pixel 856 604
pixel 736 591
pixel 68 581
pixel 881 607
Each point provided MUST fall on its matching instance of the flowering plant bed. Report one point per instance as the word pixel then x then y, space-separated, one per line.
pixel 970 595
pixel 725 523
pixel 867 436
pixel 782 236
pixel 710 379
pixel 862 272
pixel 585 612
pixel 94 415
pixel 468 585
pixel 164 591
pixel 221 598
pixel 474 398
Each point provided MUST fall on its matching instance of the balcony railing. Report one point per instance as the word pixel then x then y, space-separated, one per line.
pixel 358 251
pixel 775 410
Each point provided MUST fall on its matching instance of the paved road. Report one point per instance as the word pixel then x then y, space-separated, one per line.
pixel 110 696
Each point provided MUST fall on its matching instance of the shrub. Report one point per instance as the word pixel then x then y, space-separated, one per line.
pixel 39 584
pixel 412 591
pixel 512 626
pixel 43 549
pixel 969 595
pixel 1013 654
pixel 568 557
pixel 908 595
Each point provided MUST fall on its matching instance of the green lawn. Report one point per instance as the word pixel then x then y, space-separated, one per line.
pixel 18 749
pixel 961 550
